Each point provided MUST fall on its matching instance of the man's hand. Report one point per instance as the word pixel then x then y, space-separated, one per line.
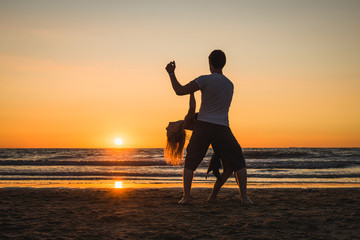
pixel 170 68
pixel 178 88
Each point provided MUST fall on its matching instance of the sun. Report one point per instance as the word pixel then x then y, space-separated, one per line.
pixel 118 141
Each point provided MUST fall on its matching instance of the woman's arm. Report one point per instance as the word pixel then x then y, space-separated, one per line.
pixel 192 103
pixel 190 117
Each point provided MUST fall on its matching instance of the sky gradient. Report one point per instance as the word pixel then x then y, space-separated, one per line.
pixel 83 73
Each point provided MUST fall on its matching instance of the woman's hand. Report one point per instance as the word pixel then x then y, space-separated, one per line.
pixel 170 68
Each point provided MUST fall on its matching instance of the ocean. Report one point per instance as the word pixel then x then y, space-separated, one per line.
pixel 142 167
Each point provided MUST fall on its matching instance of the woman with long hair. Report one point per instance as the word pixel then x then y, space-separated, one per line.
pixel 176 135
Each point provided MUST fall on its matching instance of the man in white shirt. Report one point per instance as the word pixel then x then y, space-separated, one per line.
pixel 212 127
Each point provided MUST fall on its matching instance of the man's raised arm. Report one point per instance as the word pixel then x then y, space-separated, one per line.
pixel 178 88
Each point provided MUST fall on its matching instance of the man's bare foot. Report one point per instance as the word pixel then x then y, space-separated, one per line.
pixel 246 201
pixel 184 201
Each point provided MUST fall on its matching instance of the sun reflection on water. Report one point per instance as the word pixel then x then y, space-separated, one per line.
pixel 118 184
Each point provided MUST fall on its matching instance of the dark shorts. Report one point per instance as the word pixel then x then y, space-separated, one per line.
pixel 222 140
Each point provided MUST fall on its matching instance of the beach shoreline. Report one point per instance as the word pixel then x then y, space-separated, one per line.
pixel 153 213
pixel 109 184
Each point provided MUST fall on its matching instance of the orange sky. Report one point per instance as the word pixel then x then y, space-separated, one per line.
pixel 81 74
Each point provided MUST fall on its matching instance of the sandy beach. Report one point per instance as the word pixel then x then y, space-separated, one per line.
pixel 29 213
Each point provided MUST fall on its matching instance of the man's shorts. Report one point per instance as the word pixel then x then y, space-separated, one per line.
pixel 222 140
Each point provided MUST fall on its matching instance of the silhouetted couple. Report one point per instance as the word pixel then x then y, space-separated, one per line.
pixel 210 126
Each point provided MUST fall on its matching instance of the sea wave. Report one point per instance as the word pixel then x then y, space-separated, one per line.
pixel 14 175
pixel 251 164
pixel 264 164
pixel 302 153
pixel 80 163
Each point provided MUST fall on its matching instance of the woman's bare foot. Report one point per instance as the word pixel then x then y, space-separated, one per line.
pixel 184 200
pixel 246 201
pixel 213 200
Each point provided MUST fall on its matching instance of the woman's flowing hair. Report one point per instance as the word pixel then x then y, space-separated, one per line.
pixel 174 149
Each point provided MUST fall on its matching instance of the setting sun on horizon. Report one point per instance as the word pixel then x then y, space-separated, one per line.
pixel 118 141
pixel 88 74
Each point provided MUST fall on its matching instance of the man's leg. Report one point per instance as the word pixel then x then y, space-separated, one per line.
pixel 196 150
pixel 187 180
pixel 241 179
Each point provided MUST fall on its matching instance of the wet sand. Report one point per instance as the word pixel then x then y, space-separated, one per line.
pixel 53 213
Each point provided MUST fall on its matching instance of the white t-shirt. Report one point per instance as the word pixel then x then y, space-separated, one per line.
pixel 216 95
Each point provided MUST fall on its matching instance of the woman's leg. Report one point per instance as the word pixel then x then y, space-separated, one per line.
pixel 219 183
